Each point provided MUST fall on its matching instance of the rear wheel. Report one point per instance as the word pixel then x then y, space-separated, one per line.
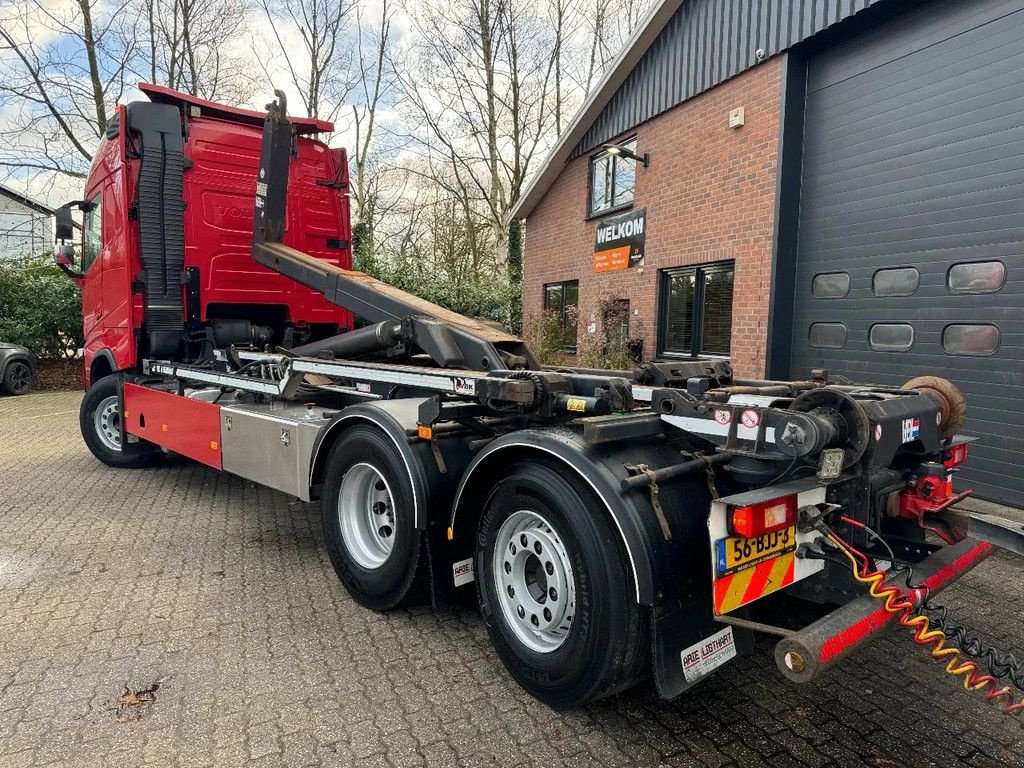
pixel 17 379
pixel 555 588
pixel 100 422
pixel 367 511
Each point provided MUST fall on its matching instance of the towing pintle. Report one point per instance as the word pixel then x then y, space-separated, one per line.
pixel 272 179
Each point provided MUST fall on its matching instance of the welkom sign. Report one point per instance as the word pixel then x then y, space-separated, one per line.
pixel 619 241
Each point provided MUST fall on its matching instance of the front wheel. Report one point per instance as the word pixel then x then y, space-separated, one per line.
pixel 17 378
pixel 555 588
pixel 100 422
pixel 367 511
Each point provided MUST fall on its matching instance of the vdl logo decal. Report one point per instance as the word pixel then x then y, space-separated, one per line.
pixel 911 429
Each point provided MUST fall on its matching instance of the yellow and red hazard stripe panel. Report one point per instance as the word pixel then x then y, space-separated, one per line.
pixel 738 589
pixel 735 582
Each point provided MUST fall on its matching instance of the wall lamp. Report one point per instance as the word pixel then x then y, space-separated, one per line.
pixel 617 151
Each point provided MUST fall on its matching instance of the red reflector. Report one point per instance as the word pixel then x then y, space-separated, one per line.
pixel 767 517
pixel 957 456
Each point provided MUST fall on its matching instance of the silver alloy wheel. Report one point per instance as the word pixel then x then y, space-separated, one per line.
pixel 534 579
pixel 366 514
pixel 107 422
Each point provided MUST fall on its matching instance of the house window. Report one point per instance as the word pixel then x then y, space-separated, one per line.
pixel 92 233
pixel 696 310
pixel 612 179
pixel 562 301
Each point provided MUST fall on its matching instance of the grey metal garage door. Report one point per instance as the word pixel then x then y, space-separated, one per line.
pixel 911 242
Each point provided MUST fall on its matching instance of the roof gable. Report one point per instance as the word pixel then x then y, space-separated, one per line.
pixel 681 49
pixel 25 200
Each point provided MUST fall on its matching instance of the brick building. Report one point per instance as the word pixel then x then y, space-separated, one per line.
pixel 796 184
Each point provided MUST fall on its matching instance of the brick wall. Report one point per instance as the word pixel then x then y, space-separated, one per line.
pixel 710 196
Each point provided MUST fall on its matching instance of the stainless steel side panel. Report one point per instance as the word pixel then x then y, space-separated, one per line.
pixel 272 446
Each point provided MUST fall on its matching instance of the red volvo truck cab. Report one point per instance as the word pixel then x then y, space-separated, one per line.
pixel 164 260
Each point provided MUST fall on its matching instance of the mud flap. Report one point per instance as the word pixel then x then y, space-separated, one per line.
pixel 688 648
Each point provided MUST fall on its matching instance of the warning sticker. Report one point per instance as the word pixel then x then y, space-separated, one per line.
pixel 750 418
pixel 723 417
pixel 707 655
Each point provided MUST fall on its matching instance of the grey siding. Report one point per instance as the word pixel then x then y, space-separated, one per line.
pixel 705 43
pixel 24 231
pixel 912 165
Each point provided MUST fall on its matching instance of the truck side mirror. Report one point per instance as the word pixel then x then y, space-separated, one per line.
pixel 65 225
pixel 64 258
pixel 64 255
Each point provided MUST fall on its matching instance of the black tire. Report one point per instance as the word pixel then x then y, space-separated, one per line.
pixel 605 648
pixel 17 379
pixel 397 579
pixel 131 455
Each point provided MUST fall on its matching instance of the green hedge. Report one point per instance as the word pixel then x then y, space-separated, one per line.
pixel 39 307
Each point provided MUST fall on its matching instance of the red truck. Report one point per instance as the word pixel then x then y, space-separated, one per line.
pixel 617 525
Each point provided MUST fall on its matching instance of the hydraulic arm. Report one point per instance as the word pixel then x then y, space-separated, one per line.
pixel 450 339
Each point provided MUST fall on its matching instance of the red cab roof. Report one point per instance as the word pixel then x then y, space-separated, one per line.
pixel 163 95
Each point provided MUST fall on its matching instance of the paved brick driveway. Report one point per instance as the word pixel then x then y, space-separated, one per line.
pixel 217 595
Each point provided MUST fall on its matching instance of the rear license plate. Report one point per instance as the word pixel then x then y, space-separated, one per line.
pixel 736 553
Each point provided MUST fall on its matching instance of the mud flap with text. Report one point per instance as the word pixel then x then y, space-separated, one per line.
pixel 688 648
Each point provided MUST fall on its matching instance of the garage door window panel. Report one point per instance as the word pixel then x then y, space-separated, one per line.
pixel 967 339
pixel 827 335
pixel 891 337
pixel 696 310
pixel 830 285
pixel 976 277
pixel 902 281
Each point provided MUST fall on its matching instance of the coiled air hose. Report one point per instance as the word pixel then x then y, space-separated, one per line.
pixel 932 634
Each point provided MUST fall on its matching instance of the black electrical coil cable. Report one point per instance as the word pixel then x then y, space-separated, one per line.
pixel 1003 666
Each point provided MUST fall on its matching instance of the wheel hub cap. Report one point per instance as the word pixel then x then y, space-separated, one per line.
pixel 107 421
pixel 537 591
pixel 366 514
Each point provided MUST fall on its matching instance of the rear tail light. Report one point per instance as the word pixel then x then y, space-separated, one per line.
pixel 756 520
pixel 957 456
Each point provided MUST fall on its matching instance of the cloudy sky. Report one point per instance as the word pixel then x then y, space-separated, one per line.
pixel 254 44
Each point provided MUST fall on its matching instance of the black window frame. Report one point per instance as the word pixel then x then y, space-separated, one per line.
pixel 614 207
pixel 561 284
pixel 697 333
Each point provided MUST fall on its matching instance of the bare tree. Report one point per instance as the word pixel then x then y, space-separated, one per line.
pixel 610 23
pixel 61 68
pixel 374 83
pixel 190 44
pixel 484 91
pixel 320 71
